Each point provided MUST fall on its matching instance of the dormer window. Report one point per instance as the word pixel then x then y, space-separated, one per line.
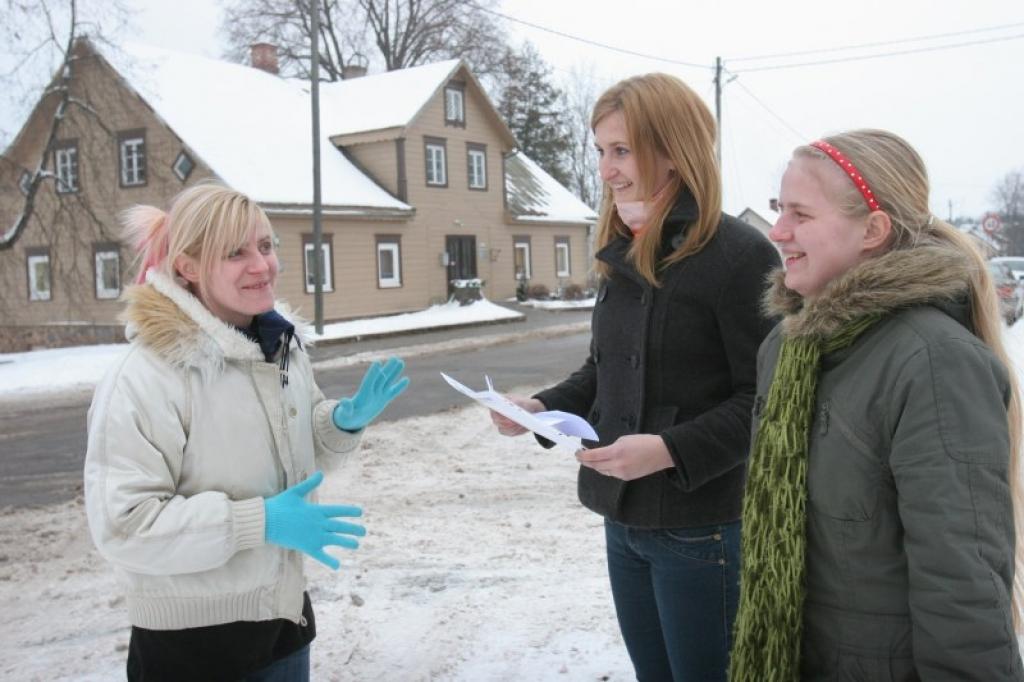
pixel 132 152
pixel 455 105
pixel 183 166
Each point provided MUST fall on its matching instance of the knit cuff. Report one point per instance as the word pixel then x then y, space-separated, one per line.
pixel 249 523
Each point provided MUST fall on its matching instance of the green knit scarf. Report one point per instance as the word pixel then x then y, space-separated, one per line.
pixel 767 634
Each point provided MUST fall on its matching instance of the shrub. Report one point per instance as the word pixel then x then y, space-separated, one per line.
pixel 572 292
pixel 538 291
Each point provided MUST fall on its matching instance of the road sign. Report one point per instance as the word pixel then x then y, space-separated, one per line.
pixel 991 224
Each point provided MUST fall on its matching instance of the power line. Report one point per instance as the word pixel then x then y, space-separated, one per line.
pixel 882 43
pixel 800 136
pixel 588 41
pixel 879 55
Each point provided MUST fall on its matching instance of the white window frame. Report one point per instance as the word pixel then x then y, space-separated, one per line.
pixel 309 273
pixel 394 248
pixel 182 157
pixel 103 256
pixel 133 161
pixel 455 98
pixel 477 169
pixel 437 173
pixel 562 247
pixel 32 262
pixel 525 247
pixel 65 161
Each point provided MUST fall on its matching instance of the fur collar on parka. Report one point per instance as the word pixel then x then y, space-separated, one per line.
pixel 166 318
pixel 880 285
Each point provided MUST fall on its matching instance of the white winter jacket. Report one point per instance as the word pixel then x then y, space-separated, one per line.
pixel 188 433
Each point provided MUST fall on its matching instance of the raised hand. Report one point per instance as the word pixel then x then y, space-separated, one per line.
pixel 380 385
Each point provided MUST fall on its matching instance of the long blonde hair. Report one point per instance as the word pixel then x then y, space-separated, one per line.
pixel 205 222
pixel 897 176
pixel 663 117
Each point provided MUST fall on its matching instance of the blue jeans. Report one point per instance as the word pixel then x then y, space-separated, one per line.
pixel 291 668
pixel 676 591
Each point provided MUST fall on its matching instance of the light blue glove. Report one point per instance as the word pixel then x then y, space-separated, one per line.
pixel 379 387
pixel 296 524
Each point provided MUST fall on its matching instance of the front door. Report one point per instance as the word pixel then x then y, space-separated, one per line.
pixel 461 251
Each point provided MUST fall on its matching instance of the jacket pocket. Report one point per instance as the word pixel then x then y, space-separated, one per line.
pixel 844 474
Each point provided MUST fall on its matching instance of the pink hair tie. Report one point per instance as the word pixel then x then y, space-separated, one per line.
pixel 851 170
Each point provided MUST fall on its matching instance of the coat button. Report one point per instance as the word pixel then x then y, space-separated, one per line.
pixel 631 421
pixel 643 298
pixel 292 412
pixel 602 292
pixel 634 361
pixel 597 355
pixel 595 417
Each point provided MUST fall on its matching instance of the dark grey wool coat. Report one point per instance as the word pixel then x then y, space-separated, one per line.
pixel 676 360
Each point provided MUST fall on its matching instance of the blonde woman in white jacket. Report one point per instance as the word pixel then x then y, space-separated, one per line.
pixel 203 448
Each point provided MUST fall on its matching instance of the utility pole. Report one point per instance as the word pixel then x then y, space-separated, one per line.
pixel 718 111
pixel 318 255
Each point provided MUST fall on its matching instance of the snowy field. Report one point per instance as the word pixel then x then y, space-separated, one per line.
pixel 479 565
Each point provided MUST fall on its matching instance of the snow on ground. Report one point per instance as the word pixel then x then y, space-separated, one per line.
pixel 479 564
pixel 80 368
pixel 586 303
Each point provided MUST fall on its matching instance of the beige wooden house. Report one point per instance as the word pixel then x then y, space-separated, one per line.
pixel 421 185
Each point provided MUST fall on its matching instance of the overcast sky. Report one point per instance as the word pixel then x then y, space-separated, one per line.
pixel 962 108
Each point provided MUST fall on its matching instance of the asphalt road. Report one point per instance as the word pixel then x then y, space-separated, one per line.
pixel 42 444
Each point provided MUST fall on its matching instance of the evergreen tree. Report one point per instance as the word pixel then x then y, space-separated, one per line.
pixel 532 108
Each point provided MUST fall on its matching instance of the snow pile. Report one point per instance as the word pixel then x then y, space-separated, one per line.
pixel 584 303
pixel 479 564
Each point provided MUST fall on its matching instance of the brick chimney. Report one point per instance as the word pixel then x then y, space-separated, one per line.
pixel 263 56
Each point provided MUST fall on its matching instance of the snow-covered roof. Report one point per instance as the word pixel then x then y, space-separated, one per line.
pixel 250 127
pixel 385 100
pixel 535 196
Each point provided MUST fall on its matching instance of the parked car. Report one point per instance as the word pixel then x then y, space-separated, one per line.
pixel 1016 264
pixel 1009 289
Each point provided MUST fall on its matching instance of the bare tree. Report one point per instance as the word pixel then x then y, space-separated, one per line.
pixel 398 33
pixel 581 89
pixel 1008 196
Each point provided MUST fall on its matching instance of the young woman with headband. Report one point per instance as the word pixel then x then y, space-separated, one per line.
pixel 204 444
pixel 879 520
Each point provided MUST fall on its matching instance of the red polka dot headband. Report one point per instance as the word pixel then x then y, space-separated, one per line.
pixel 851 170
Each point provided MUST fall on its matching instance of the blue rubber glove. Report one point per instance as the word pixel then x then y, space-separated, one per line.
pixel 379 387
pixel 296 524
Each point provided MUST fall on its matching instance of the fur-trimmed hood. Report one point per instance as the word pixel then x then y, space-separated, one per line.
pixel 881 285
pixel 166 318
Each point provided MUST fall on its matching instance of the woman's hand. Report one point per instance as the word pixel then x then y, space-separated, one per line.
pixel 629 458
pixel 506 426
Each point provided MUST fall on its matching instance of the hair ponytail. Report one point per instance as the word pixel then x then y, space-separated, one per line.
pixel 146 230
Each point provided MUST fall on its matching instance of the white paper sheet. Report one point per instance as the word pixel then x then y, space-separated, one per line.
pixel 563 428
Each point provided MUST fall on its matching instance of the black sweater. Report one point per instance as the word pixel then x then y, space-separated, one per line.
pixel 678 360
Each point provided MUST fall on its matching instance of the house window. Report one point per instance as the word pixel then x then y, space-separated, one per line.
pixel 183 166
pixel 521 257
pixel 65 163
pixel 107 262
pixel 389 262
pixel 37 262
pixel 455 106
pixel 562 257
pixel 132 152
pixel 476 165
pixel 25 182
pixel 437 170
pixel 309 264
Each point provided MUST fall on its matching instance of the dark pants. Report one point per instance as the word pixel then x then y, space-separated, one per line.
pixel 676 592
